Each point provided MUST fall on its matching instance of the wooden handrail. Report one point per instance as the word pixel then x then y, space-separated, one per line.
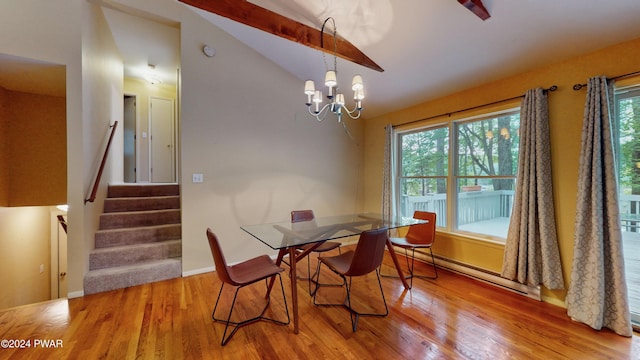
pixel 63 223
pixel 94 190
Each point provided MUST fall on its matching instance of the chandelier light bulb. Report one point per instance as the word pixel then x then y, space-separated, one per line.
pixel 309 90
pixel 356 83
pixel 330 79
pixel 317 98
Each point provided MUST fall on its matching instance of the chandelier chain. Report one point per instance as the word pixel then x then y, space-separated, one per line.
pixel 335 44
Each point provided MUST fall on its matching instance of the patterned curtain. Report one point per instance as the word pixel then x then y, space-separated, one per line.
pixel 387 183
pixel 531 253
pixel 597 294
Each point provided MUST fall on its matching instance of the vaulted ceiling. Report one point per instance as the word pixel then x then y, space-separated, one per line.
pixel 433 48
pixel 427 49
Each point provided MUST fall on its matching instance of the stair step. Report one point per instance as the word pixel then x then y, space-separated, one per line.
pixel 138 203
pixel 131 254
pixel 139 218
pixel 137 235
pixel 131 275
pixel 137 190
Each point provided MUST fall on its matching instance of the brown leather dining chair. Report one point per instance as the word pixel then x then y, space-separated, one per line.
pixel 366 258
pixel 419 236
pixel 240 275
pixel 298 216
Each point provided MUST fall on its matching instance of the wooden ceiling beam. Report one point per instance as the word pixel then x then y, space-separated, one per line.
pixel 263 19
pixel 476 7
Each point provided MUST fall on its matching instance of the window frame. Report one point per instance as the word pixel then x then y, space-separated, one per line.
pixel 397 171
pixel 452 178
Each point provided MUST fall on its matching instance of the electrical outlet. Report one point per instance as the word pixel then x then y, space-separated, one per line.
pixel 198 178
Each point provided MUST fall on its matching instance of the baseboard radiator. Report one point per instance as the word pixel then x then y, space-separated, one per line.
pixel 479 274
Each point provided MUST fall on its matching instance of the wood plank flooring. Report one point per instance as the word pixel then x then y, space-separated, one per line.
pixel 452 317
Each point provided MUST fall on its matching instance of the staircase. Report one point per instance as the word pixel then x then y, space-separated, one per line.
pixel 139 239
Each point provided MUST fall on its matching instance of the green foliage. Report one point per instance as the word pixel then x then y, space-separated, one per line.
pixel 485 148
pixel 628 117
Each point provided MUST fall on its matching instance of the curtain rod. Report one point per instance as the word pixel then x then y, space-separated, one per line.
pixel 580 86
pixel 551 88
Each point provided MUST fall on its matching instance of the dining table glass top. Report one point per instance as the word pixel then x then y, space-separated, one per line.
pixel 285 234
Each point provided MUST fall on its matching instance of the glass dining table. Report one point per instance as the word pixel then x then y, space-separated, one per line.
pixel 287 237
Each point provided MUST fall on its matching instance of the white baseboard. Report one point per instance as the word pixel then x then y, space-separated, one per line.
pixel 198 271
pixel 482 275
pixel 75 294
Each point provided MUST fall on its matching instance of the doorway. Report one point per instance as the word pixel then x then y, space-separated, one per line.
pixel 130 155
pixel 58 254
pixel 162 130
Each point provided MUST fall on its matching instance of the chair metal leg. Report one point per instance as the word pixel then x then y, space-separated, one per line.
pixel 433 263
pixel 239 324
pixel 313 278
pixel 353 314
pixel 410 267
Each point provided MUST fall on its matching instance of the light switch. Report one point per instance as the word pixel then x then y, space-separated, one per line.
pixel 198 178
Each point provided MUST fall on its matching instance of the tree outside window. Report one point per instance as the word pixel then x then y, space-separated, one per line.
pixel 485 173
pixel 485 160
pixel 627 124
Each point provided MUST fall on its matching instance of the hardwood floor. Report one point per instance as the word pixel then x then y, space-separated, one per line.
pixel 452 317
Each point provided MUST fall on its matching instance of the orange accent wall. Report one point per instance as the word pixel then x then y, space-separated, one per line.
pixel 566 108
pixel 33 144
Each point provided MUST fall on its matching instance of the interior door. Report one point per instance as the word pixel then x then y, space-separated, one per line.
pixel 129 139
pixel 58 255
pixel 162 129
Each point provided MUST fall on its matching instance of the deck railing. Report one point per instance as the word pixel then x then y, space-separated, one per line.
pixel 630 213
pixel 475 206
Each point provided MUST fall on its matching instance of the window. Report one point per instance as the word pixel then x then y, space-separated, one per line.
pixel 470 184
pixel 485 173
pixel 424 165
pixel 626 126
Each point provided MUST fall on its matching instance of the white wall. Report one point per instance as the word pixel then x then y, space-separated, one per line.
pixel 102 103
pixel 245 127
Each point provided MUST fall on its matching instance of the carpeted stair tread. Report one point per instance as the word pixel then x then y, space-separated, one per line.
pixel 137 190
pixel 139 218
pixel 137 235
pixel 113 256
pixel 131 275
pixel 141 203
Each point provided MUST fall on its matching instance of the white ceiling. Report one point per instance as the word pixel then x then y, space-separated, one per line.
pixel 428 48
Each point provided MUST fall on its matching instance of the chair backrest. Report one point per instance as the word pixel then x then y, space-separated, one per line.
pixel 423 234
pixel 218 258
pixel 369 252
pixel 301 215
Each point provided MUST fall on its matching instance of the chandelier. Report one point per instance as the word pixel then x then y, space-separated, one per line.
pixel 336 102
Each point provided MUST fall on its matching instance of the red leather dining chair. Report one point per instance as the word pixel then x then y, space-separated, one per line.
pixel 298 216
pixel 366 258
pixel 240 275
pixel 419 236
